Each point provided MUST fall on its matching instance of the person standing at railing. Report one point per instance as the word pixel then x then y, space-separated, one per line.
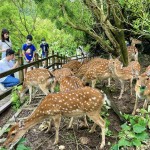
pixel 28 51
pixel 45 49
pixel 5 42
pixel 5 65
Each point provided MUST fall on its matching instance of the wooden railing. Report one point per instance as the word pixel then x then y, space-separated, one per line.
pixel 54 61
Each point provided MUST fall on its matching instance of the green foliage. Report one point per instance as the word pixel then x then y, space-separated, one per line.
pixel 134 131
pixel 56 89
pixel 15 97
pixel 21 146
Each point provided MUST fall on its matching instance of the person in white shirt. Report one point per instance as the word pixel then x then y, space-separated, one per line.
pixel 5 65
pixel 5 42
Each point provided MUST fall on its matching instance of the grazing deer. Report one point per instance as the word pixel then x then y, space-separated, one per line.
pixel 37 77
pixel 124 73
pixel 74 65
pixel 142 89
pixel 67 84
pixel 77 102
pixel 97 70
pixel 132 50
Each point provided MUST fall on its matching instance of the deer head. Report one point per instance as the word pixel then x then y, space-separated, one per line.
pixel 84 100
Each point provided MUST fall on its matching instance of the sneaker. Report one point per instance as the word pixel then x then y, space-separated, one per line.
pixel 2 88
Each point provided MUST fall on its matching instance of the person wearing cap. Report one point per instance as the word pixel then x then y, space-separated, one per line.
pixel 28 51
pixel 5 65
pixel 5 42
pixel 45 49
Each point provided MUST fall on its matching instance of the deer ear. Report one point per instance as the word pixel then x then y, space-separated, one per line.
pixel 148 73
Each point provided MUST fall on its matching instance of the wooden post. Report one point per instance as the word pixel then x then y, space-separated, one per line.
pixel 61 60
pixel 36 58
pixel 57 60
pixel 46 61
pixel 53 60
pixel 21 74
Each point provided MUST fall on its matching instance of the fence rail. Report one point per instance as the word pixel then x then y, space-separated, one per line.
pixel 53 61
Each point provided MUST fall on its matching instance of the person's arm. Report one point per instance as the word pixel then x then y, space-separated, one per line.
pixel 15 65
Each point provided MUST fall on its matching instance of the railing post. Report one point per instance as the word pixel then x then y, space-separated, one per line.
pixel 57 60
pixel 21 74
pixel 36 58
pixel 46 61
pixel 61 59
pixel 53 60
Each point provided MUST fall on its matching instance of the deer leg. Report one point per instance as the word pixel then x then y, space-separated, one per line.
pixel 30 93
pixel 99 121
pixel 108 82
pixel 53 86
pixel 85 121
pixel 93 128
pixel 57 120
pixel 49 126
pixel 135 106
pixel 131 85
pixel 44 89
pixel 93 83
pixel 70 123
pixel 122 89
pixel 145 104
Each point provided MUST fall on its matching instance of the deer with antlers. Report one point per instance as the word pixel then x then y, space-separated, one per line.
pixel 124 73
pixel 132 50
pixel 77 102
pixel 142 89
pixel 38 77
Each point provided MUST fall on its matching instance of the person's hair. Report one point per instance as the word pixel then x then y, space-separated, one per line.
pixel 9 52
pixel 4 31
pixel 29 37
pixel 43 39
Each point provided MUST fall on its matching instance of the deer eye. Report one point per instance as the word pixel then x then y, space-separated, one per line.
pixel 137 78
pixel 147 79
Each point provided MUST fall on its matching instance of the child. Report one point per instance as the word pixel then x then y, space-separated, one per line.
pixel 28 51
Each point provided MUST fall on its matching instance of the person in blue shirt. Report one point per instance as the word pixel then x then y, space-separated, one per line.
pixel 28 50
pixel 5 65
pixel 45 49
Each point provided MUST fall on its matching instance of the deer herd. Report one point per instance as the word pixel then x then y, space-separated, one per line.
pixel 75 99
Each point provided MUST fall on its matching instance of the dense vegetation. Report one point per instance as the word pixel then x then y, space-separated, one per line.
pixel 69 23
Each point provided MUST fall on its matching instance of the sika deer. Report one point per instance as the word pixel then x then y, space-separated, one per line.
pixel 132 50
pixel 78 102
pixel 66 85
pixel 74 65
pixel 142 89
pixel 98 70
pixel 125 73
pixel 38 77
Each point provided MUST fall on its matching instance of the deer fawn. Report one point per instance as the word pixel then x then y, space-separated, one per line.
pixel 67 84
pixel 37 77
pixel 124 73
pixel 77 102
pixel 142 89
pixel 132 50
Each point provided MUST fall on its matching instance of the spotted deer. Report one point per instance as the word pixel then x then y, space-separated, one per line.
pixel 74 65
pixel 132 50
pixel 97 70
pixel 59 74
pixel 67 84
pixel 38 77
pixel 124 73
pixel 77 102
pixel 142 89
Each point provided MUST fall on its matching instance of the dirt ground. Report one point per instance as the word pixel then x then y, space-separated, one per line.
pixel 72 139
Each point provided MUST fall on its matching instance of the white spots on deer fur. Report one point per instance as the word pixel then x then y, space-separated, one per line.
pixel 94 98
